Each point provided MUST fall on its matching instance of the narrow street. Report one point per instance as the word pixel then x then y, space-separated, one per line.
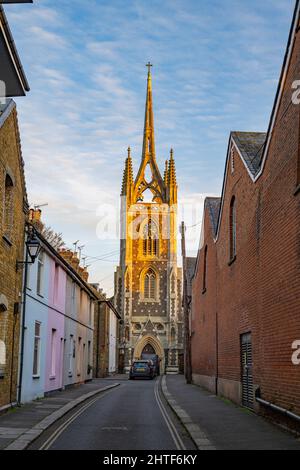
pixel 132 416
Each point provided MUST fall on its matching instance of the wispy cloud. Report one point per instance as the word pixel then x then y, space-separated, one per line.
pixel 216 66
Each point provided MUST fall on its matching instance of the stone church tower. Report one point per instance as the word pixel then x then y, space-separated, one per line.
pixel 148 282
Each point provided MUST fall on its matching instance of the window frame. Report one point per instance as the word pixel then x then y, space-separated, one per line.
pixel 150 243
pixel 149 276
pixel 53 354
pixel 37 341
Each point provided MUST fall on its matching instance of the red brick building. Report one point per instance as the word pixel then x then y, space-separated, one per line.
pixel 246 286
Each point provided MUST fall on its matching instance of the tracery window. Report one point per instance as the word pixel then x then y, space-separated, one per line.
pixel 150 282
pixel 150 239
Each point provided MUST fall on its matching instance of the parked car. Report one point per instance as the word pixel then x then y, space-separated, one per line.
pixel 155 360
pixel 142 368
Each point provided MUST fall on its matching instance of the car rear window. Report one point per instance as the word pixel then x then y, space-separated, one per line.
pixel 140 365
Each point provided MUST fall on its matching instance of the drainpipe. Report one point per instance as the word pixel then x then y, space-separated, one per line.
pixel 23 330
pixel 273 407
pixel 12 362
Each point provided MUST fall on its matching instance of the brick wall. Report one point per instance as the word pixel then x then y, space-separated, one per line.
pixel 101 340
pixel 260 291
pixel 11 250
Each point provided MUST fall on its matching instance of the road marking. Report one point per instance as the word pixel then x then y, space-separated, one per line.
pixel 114 428
pixel 173 431
pixel 50 441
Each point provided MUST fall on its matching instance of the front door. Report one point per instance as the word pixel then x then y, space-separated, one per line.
pixel 247 375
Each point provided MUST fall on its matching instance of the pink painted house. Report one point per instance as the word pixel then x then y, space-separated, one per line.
pixel 55 326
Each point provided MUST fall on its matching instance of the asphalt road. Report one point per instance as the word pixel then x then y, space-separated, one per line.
pixel 133 416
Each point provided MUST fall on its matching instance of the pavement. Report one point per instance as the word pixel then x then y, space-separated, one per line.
pixel 20 426
pixel 215 423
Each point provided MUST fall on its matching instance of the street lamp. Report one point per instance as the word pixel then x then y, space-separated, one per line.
pixel 33 247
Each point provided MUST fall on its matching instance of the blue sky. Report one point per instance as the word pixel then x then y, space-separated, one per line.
pixel 216 68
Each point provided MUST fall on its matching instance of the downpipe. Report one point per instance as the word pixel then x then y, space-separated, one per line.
pixel 273 407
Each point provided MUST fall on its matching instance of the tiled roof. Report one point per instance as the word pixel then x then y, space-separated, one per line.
pixel 11 71
pixel 213 204
pixel 251 146
pixel 190 270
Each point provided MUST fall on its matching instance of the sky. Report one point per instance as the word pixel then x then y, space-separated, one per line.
pixel 216 65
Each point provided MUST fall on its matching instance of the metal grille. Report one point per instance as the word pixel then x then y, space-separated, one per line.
pixel 247 375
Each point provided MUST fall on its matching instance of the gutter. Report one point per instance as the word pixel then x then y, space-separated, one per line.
pixel 281 410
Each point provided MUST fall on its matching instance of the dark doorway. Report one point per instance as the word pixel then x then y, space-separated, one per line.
pixel 148 349
pixel 181 363
pixel 121 364
pixel 247 374
pixel 150 354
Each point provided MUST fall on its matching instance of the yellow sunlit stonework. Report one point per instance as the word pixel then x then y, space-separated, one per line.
pixel 148 282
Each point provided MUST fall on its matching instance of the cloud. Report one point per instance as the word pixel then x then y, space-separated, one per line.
pixel 216 67
pixel 49 38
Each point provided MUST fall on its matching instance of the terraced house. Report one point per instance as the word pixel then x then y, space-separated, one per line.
pixel 246 290
pixel 57 321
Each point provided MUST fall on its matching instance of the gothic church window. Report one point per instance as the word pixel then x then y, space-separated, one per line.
pixel 150 239
pixel 150 281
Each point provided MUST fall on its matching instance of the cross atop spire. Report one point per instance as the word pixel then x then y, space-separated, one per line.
pixel 149 65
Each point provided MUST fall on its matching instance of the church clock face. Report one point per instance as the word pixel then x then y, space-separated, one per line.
pixel 148 282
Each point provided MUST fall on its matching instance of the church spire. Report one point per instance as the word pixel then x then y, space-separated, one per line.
pixel 149 143
pixel 172 170
pixel 153 179
pixel 172 183
pixel 128 175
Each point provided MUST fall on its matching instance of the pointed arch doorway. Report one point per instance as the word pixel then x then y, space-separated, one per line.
pixel 149 344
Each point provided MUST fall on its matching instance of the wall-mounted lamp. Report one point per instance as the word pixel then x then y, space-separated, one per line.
pixel 33 247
